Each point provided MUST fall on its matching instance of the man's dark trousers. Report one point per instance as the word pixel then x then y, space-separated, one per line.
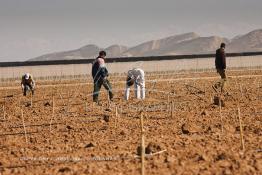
pixel 97 86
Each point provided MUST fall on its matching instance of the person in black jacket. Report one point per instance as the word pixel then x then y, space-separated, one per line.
pixel 220 63
pixel 100 74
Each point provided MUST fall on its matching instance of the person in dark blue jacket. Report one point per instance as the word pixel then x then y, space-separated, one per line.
pixel 100 74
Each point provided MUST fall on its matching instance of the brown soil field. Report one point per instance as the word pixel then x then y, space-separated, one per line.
pixel 74 136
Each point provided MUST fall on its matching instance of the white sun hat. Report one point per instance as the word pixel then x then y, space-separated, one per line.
pixel 27 75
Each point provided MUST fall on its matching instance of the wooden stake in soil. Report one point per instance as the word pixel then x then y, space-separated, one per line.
pixel 31 102
pixel 108 102
pixel 220 114
pixel 116 111
pixel 241 90
pixel 62 99
pixel 19 102
pixel 85 106
pixel 68 102
pixel 241 129
pixel 142 146
pixel 116 117
pixel 4 111
pixel 53 112
pixel 22 114
pixel 258 87
pixel 172 109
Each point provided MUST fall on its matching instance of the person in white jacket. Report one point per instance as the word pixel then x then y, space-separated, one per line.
pixel 135 76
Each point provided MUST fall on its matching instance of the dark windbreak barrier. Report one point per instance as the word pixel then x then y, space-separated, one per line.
pixel 122 59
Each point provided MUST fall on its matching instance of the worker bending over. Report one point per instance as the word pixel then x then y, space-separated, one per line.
pixel 27 84
pixel 135 76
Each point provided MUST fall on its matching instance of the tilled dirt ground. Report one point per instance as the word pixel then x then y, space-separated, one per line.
pixel 83 138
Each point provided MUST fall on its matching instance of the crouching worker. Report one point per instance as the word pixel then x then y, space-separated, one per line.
pixel 27 84
pixel 135 76
pixel 100 74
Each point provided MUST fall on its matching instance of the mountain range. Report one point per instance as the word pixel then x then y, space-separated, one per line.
pixel 184 44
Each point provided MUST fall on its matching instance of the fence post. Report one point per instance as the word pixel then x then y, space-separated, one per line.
pixel 142 146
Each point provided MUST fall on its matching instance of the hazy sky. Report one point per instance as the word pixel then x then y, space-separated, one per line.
pixel 29 28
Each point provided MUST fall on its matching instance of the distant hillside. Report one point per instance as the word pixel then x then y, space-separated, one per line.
pixel 188 43
pixel 86 52
pixel 153 47
pixel 115 50
pixel 81 53
pixel 198 45
pixel 250 42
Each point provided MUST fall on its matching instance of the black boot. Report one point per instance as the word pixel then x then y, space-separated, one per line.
pixel 111 95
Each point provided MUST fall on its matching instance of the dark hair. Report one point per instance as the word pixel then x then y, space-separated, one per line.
pixel 102 53
pixel 223 45
pixel 129 81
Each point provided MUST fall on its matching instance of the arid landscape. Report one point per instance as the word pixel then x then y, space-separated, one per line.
pixel 187 43
pixel 60 130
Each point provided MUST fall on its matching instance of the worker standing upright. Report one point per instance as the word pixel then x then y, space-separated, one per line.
pixel 100 76
pixel 220 63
